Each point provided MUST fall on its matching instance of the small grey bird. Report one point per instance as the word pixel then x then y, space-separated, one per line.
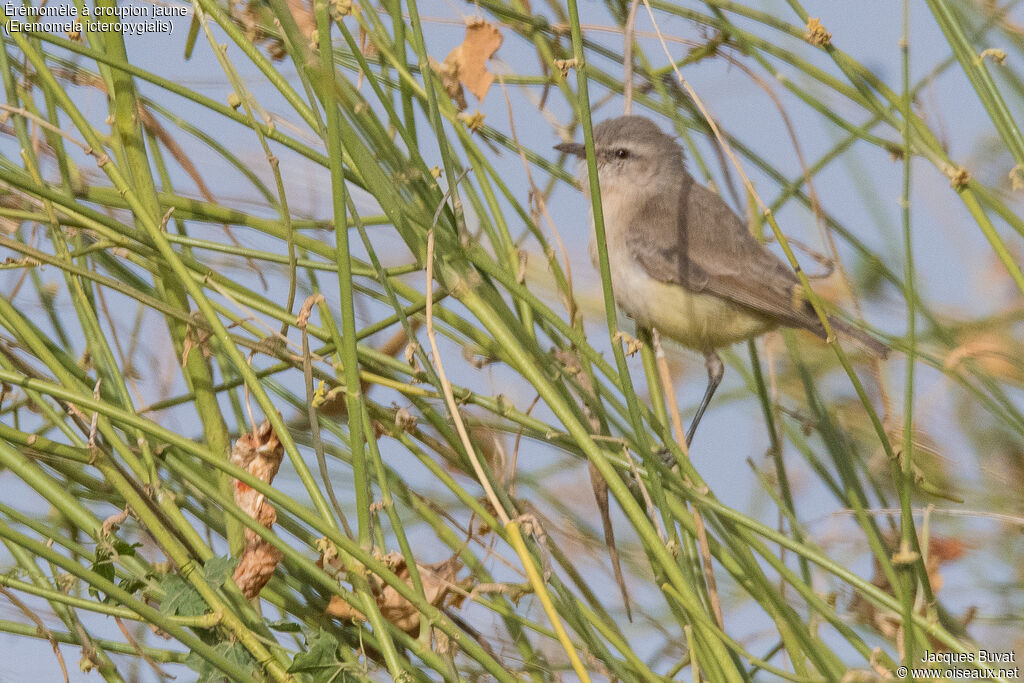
pixel 681 260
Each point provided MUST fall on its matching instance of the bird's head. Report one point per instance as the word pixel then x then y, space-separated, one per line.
pixel 630 149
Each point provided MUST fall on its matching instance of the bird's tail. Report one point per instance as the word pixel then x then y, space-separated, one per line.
pixel 861 338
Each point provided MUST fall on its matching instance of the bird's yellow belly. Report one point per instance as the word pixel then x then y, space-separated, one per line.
pixel 698 321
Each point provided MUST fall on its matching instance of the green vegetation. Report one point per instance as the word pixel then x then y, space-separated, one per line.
pixel 413 336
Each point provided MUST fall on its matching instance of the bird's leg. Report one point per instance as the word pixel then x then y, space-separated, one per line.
pixel 715 371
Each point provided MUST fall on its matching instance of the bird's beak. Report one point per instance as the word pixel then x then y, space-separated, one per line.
pixel 574 148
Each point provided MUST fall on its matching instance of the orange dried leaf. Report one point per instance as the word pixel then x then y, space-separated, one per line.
pixel 941 550
pixel 449 73
pixel 340 609
pixel 256 567
pixel 260 453
pixel 470 58
pixel 438 581
pixel 994 351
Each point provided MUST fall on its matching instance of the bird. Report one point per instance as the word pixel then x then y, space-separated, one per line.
pixel 681 260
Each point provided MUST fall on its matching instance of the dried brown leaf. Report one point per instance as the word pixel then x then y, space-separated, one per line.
pixel 260 453
pixel 256 567
pixel 995 352
pixel 113 523
pixel 470 58
pixel 307 310
pixel 339 609
pixel 449 73
pixel 941 550
pixel 438 579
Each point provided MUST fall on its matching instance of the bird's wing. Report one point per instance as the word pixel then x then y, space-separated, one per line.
pixel 703 246
pixel 657 244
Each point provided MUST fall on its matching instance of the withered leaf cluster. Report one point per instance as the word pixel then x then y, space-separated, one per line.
pixel 440 586
pixel 260 453
pixel 466 65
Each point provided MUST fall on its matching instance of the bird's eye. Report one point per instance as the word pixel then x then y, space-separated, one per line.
pixel 622 153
